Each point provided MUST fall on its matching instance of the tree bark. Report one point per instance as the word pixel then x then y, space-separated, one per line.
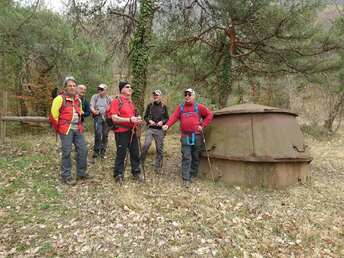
pixel 140 52
pixel 328 125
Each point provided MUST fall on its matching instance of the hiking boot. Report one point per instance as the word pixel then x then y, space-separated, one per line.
pixel 186 183
pixel 94 158
pixel 119 179
pixel 102 155
pixel 192 174
pixel 68 181
pixel 139 177
pixel 85 177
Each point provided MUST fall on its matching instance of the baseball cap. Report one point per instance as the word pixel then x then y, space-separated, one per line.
pixel 191 91
pixel 157 92
pixel 102 86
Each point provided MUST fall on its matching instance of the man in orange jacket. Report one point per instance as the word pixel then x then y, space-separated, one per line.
pixel 65 118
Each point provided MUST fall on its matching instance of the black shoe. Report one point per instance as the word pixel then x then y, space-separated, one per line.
pixel 139 177
pixel 68 181
pixel 119 179
pixel 102 155
pixel 157 171
pixel 186 183
pixel 85 177
pixel 193 174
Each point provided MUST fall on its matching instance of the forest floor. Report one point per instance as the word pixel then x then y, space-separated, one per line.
pixel 40 217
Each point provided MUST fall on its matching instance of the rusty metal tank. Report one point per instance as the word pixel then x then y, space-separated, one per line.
pixel 255 145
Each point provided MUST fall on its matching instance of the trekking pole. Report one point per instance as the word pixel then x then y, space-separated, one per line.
pixel 140 150
pixel 127 150
pixel 208 157
pixel 162 159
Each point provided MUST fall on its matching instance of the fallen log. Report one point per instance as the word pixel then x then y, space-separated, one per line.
pixel 37 119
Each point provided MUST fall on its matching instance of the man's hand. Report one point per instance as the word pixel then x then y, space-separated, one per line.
pixel 135 119
pixel 160 123
pixel 151 122
pixel 96 112
pixel 199 129
pixel 165 127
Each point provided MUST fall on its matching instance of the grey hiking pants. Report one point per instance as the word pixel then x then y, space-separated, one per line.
pixel 158 135
pixel 191 158
pixel 67 141
pixel 101 132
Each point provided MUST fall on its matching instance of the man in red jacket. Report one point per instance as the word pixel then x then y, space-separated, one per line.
pixel 124 115
pixel 65 118
pixel 193 118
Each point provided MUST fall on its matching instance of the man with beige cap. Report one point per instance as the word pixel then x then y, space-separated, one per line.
pixel 99 104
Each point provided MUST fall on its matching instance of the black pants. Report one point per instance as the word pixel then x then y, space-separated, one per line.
pixel 123 145
pixel 101 132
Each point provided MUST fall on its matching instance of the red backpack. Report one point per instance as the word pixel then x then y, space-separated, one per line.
pixel 110 123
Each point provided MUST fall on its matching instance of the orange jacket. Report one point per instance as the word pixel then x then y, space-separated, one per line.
pixel 61 114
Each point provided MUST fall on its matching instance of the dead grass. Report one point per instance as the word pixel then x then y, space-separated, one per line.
pixel 39 217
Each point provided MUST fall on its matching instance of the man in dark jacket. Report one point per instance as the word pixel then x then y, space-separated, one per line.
pixel 194 117
pixel 156 116
pixel 85 105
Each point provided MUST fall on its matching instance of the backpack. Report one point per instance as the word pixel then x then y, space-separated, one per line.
pixel 196 109
pixel 108 101
pixel 190 139
pixel 108 118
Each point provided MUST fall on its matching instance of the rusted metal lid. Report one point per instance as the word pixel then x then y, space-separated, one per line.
pixel 251 109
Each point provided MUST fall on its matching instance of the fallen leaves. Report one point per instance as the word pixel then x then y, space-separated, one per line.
pixel 40 217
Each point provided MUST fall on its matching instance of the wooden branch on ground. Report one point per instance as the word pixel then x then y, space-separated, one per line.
pixel 37 119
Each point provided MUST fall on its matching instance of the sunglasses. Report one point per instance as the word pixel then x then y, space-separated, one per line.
pixel 100 89
pixel 187 94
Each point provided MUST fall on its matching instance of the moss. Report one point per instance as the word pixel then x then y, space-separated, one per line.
pixel 140 52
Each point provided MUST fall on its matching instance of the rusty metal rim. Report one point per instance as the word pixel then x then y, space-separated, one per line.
pixel 265 111
pixel 259 159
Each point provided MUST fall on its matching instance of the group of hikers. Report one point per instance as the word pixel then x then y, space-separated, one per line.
pixel 119 114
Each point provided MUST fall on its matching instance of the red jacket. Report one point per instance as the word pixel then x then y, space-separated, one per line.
pixel 189 120
pixel 62 113
pixel 127 109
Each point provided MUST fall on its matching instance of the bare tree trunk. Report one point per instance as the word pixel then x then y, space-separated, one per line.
pixel 328 125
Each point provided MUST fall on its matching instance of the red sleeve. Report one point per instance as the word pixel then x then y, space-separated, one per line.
pixel 206 114
pixel 174 117
pixel 114 107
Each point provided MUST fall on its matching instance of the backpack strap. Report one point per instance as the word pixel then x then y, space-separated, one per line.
pixel 151 106
pixel 181 108
pixel 96 100
pixel 120 102
pixel 108 100
pixel 196 109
